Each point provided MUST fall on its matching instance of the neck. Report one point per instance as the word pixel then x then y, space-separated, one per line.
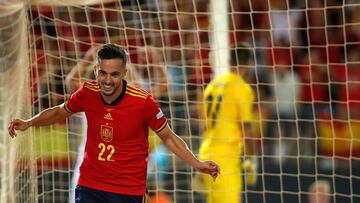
pixel 109 99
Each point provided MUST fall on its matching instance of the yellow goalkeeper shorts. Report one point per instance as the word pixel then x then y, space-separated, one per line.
pixel 228 185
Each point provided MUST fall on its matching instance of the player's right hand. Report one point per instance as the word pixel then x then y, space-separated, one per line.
pixel 17 124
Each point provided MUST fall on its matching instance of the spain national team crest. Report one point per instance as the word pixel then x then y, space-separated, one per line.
pixel 106 133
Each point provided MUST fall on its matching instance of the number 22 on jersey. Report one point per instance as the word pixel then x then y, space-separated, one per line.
pixel 108 149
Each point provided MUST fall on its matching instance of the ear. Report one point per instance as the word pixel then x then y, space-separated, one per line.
pixel 124 73
pixel 95 71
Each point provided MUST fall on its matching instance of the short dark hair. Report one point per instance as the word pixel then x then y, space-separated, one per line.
pixel 240 55
pixel 112 51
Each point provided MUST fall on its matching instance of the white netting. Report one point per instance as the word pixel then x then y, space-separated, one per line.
pixel 306 77
pixel 17 169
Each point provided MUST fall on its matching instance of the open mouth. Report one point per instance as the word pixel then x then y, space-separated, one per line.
pixel 107 87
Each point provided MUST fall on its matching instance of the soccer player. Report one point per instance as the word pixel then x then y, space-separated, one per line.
pixel 77 76
pixel 119 116
pixel 228 102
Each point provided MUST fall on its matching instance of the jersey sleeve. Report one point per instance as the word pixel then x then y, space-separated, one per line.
pixel 246 103
pixel 154 117
pixel 74 103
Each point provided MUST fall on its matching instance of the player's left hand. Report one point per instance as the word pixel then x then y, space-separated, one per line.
pixel 209 167
pixel 250 170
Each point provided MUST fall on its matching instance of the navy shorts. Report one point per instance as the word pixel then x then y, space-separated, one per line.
pixel 89 195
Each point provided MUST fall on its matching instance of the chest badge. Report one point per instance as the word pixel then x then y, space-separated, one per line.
pixel 106 133
pixel 108 116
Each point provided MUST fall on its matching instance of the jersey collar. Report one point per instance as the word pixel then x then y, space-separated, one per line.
pixel 118 99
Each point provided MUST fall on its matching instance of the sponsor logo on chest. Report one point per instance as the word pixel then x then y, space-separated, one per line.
pixel 108 117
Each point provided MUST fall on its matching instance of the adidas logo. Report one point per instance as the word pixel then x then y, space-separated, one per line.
pixel 108 116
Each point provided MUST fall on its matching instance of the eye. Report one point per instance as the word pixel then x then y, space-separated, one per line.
pixel 102 73
pixel 115 74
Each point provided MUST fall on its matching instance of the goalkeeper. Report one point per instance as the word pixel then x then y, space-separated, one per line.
pixel 228 102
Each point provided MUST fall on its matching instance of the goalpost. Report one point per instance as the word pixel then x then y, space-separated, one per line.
pixel 306 77
pixel 14 101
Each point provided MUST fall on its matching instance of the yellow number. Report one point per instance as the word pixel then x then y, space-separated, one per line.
pixel 112 151
pixel 103 148
pixel 213 107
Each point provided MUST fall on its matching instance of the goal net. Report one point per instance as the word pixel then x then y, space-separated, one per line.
pixel 305 76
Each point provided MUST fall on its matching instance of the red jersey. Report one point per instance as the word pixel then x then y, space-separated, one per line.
pixel 116 151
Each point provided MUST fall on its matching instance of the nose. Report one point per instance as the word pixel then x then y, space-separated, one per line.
pixel 107 79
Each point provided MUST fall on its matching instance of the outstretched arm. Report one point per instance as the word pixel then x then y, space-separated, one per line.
pixel 46 117
pixel 179 147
